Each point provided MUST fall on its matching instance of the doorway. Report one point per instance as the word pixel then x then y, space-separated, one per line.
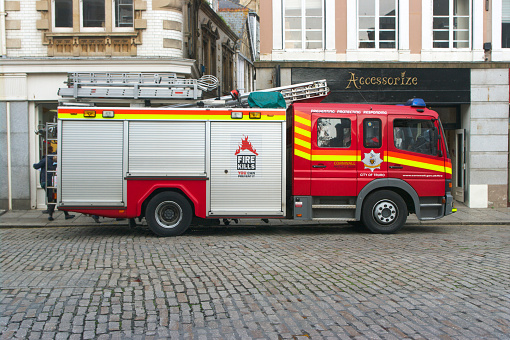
pixel 455 137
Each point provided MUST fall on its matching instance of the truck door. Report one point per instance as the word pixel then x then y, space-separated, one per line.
pixel 414 154
pixel 333 155
pixel 373 147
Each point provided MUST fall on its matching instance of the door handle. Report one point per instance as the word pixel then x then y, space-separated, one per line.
pixel 396 166
pixel 319 166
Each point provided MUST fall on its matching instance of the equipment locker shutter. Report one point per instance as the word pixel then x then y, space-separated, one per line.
pixel 92 154
pixel 167 148
pixel 252 187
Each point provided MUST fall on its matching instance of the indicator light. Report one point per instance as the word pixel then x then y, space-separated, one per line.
pixel 90 114
pixel 236 115
pixel 255 115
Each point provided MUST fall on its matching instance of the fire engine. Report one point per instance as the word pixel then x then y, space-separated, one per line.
pixel 370 165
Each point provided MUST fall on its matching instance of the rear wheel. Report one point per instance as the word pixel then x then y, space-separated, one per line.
pixel 384 212
pixel 168 214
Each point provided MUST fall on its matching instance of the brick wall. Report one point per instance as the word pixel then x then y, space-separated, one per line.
pixel 23 39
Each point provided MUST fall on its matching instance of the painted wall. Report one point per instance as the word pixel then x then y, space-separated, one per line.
pixel 488 139
pixel 19 156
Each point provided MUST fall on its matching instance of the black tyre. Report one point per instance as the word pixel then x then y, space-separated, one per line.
pixel 168 214
pixel 384 212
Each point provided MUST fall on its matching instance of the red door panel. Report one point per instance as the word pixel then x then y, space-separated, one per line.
pixel 415 156
pixel 373 146
pixel 333 155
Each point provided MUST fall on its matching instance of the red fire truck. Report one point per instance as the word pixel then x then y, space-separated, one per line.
pixel 326 162
pixel 365 164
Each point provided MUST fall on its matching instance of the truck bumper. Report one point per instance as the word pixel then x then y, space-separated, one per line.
pixel 449 206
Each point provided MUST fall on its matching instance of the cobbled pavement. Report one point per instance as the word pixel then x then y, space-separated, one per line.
pixel 243 282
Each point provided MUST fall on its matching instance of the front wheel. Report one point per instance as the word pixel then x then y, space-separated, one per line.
pixel 384 212
pixel 168 214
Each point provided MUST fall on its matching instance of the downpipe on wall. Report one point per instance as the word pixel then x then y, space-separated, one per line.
pixel 9 177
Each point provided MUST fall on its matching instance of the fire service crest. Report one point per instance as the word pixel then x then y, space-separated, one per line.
pixel 372 161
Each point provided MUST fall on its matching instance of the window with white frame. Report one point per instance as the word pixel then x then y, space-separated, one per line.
pixel 63 14
pixel 505 24
pixel 451 23
pixel 304 24
pixel 93 14
pixel 377 24
pixel 123 12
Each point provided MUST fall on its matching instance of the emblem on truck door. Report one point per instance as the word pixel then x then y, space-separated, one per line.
pixel 372 160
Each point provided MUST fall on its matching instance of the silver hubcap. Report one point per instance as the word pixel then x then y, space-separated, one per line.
pixel 168 214
pixel 385 212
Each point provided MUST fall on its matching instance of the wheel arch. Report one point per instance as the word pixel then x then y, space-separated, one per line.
pixel 146 201
pixel 396 185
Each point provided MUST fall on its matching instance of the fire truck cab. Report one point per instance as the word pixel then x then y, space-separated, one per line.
pixel 369 163
pixel 365 164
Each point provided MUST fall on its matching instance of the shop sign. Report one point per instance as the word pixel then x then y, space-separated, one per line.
pixel 391 85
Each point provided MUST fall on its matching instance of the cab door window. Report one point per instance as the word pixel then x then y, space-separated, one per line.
pixel 372 133
pixel 333 132
pixel 416 135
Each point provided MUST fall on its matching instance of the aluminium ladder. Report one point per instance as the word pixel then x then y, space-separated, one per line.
pixel 118 85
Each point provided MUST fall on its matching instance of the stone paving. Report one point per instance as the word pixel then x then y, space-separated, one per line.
pixel 266 282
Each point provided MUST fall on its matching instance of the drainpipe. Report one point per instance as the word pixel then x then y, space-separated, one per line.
pixel 9 166
pixel 3 34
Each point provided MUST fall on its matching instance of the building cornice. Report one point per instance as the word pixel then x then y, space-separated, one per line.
pixel 65 65
pixel 326 64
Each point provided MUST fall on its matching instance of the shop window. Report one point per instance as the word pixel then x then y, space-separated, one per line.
pixel 377 23
pixel 372 133
pixel 46 113
pixel 415 135
pixel 304 24
pixel 333 133
pixel 505 25
pixel 451 23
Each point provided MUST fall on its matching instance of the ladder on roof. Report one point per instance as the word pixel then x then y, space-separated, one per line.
pixel 116 85
pixel 291 93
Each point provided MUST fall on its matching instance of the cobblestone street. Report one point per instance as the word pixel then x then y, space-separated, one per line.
pixel 244 282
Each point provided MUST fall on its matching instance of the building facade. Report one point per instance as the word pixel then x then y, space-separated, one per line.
pixel 41 41
pixel 452 53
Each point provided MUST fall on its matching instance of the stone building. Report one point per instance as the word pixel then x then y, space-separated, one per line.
pixel 452 53
pixel 43 40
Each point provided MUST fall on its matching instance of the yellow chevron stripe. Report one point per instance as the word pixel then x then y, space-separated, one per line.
pixel 448 170
pixel 303 121
pixel 302 143
pixel 416 164
pixel 303 132
pixel 302 154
